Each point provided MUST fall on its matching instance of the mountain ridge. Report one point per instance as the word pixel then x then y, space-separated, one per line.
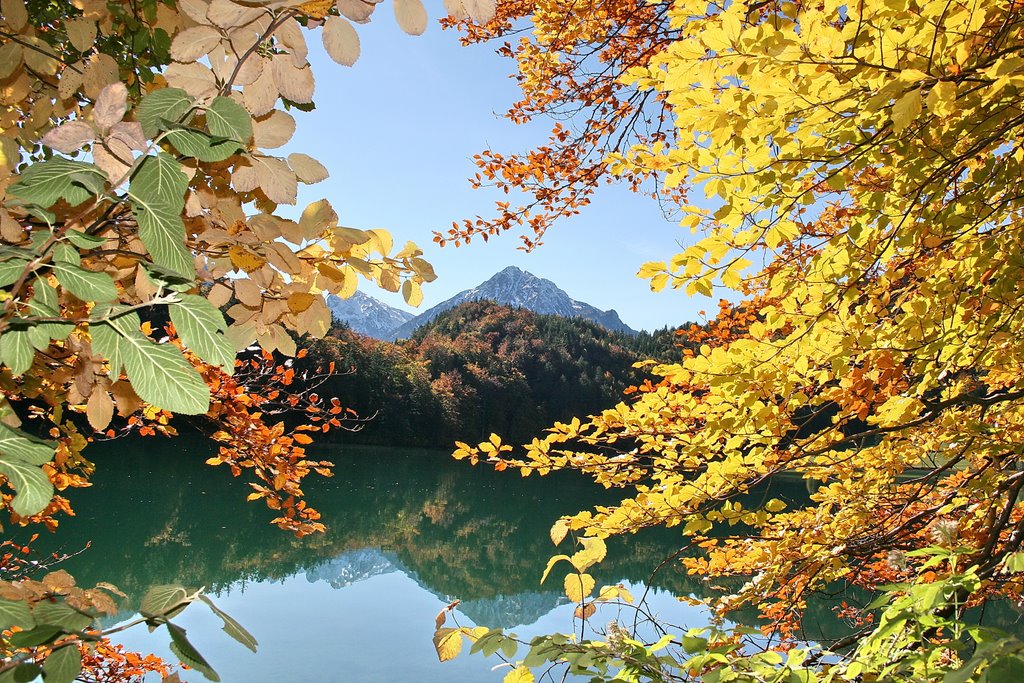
pixel 367 315
pixel 515 287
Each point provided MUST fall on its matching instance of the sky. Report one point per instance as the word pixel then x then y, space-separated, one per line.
pixel 397 132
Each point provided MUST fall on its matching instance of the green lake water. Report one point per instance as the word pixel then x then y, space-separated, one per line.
pixel 408 531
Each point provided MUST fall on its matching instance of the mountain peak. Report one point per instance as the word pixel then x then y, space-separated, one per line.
pixel 367 315
pixel 512 286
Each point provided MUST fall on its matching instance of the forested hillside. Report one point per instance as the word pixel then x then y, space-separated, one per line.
pixel 480 365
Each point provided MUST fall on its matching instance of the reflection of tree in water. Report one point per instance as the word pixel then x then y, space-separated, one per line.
pixel 458 531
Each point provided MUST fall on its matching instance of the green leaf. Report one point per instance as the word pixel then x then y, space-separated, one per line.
pixel 107 335
pixel 228 119
pixel 37 636
pixel 60 614
pixel 17 351
pixel 45 182
pixel 162 108
pixel 65 253
pixel 162 599
pixel 44 304
pixel 232 627
pixel 200 323
pixel 23 673
pixel 695 644
pixel 107 343
pixel 201 145
pixel 1007 669
pixel 85 284
pixel 157 193
pixel 1015 562
pixel 32 450
pixel 32 486
pixel 84 241
pixel 11 270
pixel 15 613
pixel 63 665
pixel 161 376
pixel 188 654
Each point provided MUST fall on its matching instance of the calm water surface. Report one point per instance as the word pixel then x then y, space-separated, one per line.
pixel 408 531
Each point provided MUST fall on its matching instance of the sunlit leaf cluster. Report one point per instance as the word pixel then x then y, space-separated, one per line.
pixel 860 167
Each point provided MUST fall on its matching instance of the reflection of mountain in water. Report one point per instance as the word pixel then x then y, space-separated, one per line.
pixel 500 611
pixel 352 567
pixel 506 611
pixel 159 516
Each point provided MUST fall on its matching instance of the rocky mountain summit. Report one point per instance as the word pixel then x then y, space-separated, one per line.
pixel 510 287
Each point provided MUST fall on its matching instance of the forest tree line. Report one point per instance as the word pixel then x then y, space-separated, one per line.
pixel 478 366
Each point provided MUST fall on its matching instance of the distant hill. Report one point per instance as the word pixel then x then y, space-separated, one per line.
pixel 367 315
pixel 482 367
pixel 519 289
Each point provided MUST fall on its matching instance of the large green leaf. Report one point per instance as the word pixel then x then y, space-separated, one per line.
pixel 17 444
pixel 43 304
pixel 200 324
pixel 188 654
pixel 107 335
pixel 85 241
pixel 201 145
pixel 32 486
pixel 107 343
pixel 65 253
pixel 60 614
pixel 37 636
pixel 15 613
pixel 11 269
pixel 163 108
pixel 63 665
pixel 228 119
pixel 45 182
pixel 163 599
pixel 16 350
pixel 157 193
pixel 85 284
pixel 161 376
pixel 232 627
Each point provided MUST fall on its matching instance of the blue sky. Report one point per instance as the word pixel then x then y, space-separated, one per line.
pixel 397 132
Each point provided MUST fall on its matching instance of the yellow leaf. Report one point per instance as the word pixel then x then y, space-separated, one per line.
pixel 551 563
pixel 448 643
pixel 316 9
pixel 594 550
pixel 558 531
pixel 585 611
pixel 412 292
pixel 300 301
pixel 520 674
pixel 243 259
pixel 578 586
pixel 906 110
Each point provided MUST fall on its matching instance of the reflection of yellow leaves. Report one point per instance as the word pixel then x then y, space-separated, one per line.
pixel 243 259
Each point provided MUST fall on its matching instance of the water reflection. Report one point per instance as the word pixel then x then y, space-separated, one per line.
pixel 408 531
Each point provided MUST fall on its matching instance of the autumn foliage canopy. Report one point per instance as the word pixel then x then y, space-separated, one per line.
pixel 853 172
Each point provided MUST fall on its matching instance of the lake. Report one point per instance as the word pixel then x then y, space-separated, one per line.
pixel 408 531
